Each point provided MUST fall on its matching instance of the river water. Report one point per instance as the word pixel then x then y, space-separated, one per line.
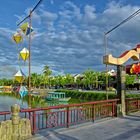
pixel 6 102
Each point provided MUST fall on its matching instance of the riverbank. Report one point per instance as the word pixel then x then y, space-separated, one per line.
pixel 95 95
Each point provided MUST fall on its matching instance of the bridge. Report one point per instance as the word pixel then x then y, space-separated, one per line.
pixel 81 119
pixel 120 128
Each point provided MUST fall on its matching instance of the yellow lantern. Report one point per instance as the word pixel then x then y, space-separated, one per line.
pixel 19 76
pixel 24 27
pixel 131 70
pixel 24 53
pixel 17 37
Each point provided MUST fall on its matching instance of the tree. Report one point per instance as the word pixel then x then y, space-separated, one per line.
pixel 79 82
pixel 89 78
pixel 35 79
pixel 6 82
pixel 60 81
pixel 52 81
pixel 97 80
pixel 69 79
pixel 47 72
pixel 130 79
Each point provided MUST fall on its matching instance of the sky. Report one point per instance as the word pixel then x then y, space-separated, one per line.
pixel 68 34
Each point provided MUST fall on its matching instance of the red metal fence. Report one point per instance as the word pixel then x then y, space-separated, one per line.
pixel 66 115
pixel 132 105
pixel 5 115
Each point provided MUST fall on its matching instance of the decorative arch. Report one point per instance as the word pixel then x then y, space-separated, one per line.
pixel 134 54
pixel 110 60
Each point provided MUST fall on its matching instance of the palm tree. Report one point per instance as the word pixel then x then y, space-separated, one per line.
pixel 47 72
pixel 41 80
pixel 60 80
pixel 89 78
pixel 35 79
pixel 97 80
pixel 69 79
pixel 51 81
pixel 79 82
pixel 6 82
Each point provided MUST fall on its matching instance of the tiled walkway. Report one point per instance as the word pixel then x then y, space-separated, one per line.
pixel 125 128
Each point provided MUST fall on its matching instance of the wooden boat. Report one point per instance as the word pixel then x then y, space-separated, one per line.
pixel 59 96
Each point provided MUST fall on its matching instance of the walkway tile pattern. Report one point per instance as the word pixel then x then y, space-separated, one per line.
pixel 125 128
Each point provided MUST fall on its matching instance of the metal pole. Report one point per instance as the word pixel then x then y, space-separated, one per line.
pixel 29 64
pixel 29 48
pixel 106 83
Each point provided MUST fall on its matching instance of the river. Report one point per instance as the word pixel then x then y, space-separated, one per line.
pixel 6 102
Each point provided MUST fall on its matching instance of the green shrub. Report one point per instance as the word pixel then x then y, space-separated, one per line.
pixel 93 96
pixel 90 96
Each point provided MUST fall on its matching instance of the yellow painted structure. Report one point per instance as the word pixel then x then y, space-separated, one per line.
pixel 134 54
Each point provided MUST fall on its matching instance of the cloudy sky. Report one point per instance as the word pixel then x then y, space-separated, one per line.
pixel 68 34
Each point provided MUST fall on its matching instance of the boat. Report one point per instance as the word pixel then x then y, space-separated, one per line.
pixel 56 103
pixel 59 96
pixel 6 89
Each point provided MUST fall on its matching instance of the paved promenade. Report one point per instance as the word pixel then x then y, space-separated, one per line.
pixel 125 128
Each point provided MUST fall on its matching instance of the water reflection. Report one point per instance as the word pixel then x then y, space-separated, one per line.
pixel 46 118
pixel 6 103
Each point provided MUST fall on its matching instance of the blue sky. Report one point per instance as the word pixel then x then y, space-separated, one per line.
pixel 68 34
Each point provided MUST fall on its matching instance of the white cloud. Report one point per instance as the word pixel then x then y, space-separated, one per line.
pixel 71 39
pixel 51 1
pixel 90 14
pixel 69 10
pixel 86 40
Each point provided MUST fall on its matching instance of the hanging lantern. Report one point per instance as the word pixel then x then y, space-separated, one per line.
pixel 138 67
pixel 24 53
pixel 23 91
pixel 17 38
pixel 26 28
pixel 28 31
pixel 131 71
pixel 19 76
pixel 135 69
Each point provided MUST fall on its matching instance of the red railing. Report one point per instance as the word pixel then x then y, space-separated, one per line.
pixel 132 105
pixel 5 115
pixel 66 115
